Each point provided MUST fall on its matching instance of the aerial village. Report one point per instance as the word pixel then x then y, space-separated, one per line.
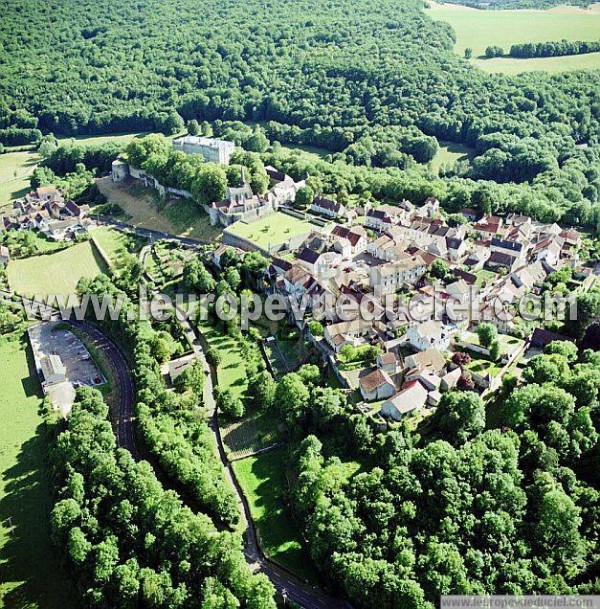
pixel 392 366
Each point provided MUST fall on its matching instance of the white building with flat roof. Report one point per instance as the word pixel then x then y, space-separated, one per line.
pixel 53 370
pixel 212 150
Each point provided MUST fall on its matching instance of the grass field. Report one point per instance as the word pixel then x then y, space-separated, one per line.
pixel 449 154
pixel 30 576
pixel 263 480
pixel 15 169
pixel 311 153
pixel 55 273
pixel 144 208
pixel 271 230
pixel 113 243
pixel 552 65
pixel 97 140
pixel 189 220
pixel 478 29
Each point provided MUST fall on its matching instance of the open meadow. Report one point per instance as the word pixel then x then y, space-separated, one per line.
pixel 15 169
pixel 263 480
pixel 97 140
pixel 56 273
pixel 112 243
pixel 449 154
pixel 479 29
pixel 30 576
pixel 552 65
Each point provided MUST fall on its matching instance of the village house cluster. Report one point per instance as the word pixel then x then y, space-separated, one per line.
pixel 391 250
pixel 380 256
pixel 45 210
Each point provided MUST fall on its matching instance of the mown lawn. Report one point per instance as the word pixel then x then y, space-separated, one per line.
pixel 254 432
pixel 271 230
pixel 98 140
pixel 483 366
pixel 113 243
pixel 479 29
pixel 263 480
pixel 30 576
pixel 56 273
pixel 484 277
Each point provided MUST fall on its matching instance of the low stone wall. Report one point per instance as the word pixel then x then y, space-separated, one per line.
pixel 242 243
pixel 152 182
pixel 247 245
pixel 184 194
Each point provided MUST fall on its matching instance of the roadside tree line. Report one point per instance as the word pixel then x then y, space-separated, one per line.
pixel 127 541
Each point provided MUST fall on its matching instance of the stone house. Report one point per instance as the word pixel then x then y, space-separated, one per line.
pixel 409 400
pixel 430 335
pixel 376 385
pixel 327 207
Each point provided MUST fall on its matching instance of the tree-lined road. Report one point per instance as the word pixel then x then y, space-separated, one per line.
pixel 125 419
pixel 285 583
pixel 290 587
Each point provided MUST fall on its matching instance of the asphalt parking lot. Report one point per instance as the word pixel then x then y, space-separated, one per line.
pixel 48 339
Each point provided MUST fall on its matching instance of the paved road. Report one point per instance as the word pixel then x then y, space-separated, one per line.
pixel 285 583
pixel 151 235
pixel 125 418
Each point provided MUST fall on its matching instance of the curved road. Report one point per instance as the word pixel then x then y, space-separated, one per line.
pixel 289 586
pixel 124 421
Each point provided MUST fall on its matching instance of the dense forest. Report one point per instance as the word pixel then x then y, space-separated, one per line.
pixel 130 542
pixel 380 88
pixel 479 498
pixel 468 507
pixel 127 541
